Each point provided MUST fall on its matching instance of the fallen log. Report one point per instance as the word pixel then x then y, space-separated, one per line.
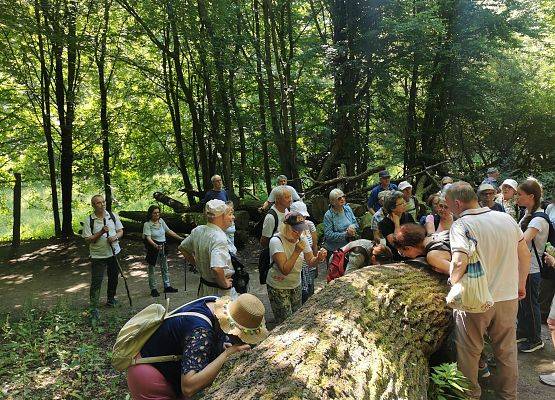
pixel 367 335
pixel 175 205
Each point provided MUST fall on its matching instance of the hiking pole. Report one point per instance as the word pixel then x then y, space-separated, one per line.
pixel 121 273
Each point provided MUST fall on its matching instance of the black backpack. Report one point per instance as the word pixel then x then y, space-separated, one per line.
pixel 264 261
pixel 546 272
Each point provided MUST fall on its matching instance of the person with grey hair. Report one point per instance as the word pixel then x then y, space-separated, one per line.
pixel 394 206
pixel 217 191
pixel 492 177
pixel 340 224
pixel 282 182
pixel 207 248
pixel 501 249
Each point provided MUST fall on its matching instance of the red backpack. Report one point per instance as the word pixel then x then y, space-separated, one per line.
pixel 336 268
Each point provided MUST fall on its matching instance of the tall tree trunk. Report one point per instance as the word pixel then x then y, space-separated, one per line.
pixel 261 101
pixel 65 101
pixel 46 112
pixel 222 99
pixel 174 98
pixel 411 129
pixel 100 58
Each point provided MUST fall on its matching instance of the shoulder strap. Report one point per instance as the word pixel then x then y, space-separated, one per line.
pixel 271 258
pixel 541 214
pixel 276 220
pixel 91 222
pixel 112 216
pixel 190 313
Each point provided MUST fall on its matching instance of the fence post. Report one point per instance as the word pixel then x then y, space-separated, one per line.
pixel 16 237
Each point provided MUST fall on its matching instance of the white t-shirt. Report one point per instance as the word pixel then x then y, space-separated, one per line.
pixel 102 249
pixel 275 278
pixel 294 195
pixel 208 243
pixel 156 230
pixel 539 240
pixel 269 223
pixel 230 233
pixel 550 211
pixel 497 235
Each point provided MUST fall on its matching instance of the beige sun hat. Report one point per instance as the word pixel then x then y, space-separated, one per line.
pixel 242 317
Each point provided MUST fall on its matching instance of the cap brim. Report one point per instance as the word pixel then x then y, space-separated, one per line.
pixel 249 338
pixel 300 227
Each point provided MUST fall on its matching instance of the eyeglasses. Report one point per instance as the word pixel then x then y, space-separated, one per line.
pixel 400 204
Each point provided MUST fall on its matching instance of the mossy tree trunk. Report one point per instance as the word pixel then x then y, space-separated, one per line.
pixel 368 335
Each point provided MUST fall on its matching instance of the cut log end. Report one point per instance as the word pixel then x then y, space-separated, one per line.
pixel 367 335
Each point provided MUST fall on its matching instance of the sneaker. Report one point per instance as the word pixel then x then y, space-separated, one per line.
pixel 154 293
pixel 169 289
pixel 483 371
pixel 548 379
pixel 527 347
pixel 521 339
pixel 112 303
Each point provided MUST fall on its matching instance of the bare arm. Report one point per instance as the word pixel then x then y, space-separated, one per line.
pixel 439 260
pixel 314 242
pixel 430 227
pixel 285 264
pixel 524 258
pixel 151 242
pixel 313 260
pixel 222 280
pixel 530 234
pixel 264 241
pixel 174 235
pixel 94 237
pixel 459 263
pixel 193 381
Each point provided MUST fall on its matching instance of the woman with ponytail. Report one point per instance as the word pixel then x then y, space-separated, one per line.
pixel 536 231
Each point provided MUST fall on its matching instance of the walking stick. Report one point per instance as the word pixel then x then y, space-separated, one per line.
pixel 122 275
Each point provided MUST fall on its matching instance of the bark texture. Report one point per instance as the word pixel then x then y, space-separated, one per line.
pixel 367 335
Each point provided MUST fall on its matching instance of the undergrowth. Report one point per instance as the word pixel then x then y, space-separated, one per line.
pixel 55 354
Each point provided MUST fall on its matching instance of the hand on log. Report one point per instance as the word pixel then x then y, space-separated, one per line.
pixel 368 335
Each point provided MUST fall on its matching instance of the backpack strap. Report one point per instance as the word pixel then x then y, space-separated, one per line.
pixel 276 220
pixel 271 258
pixel 91 223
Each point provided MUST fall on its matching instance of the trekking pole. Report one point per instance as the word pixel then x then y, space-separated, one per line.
pixel 122 275
pixel 160 254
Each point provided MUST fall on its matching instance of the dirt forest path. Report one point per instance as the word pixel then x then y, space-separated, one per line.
pixel 43 272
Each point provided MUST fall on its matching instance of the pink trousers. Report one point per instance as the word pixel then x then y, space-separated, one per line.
pixel 147 383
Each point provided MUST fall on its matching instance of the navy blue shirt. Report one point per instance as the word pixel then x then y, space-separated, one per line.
pixel 191 336
pixel 215 195
pixel 373 199
pixel 497 207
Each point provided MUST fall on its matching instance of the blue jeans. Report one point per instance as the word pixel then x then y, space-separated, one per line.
pixel 529 315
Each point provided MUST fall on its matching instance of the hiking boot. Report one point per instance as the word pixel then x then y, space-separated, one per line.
pixel 154 293
pixel 528 347
pixel 112 303
pixel 492 362
pixel 169 289
pixel 483 370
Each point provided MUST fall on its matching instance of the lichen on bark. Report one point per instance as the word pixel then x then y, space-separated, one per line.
pixel 367 335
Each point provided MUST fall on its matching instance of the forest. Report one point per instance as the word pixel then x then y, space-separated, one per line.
pixel 130 98
pixel 125 97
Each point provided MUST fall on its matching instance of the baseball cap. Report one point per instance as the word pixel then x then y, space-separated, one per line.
pixel 404 185
pixel 296 221
pixel 384 174
pixel 485 186
pixel 300 207
pixel 510 182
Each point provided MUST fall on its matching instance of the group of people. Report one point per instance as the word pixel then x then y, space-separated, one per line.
pixel 505 224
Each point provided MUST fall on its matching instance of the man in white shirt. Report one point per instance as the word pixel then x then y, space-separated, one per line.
pixel 282 183
pixel 207 248
pixel 505 258
pixel 102 230
pixel 283 200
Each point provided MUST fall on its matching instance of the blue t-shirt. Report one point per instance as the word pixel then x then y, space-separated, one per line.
pixel 335 225
pixel 215 195
pixel 191 336
pixel 373 199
